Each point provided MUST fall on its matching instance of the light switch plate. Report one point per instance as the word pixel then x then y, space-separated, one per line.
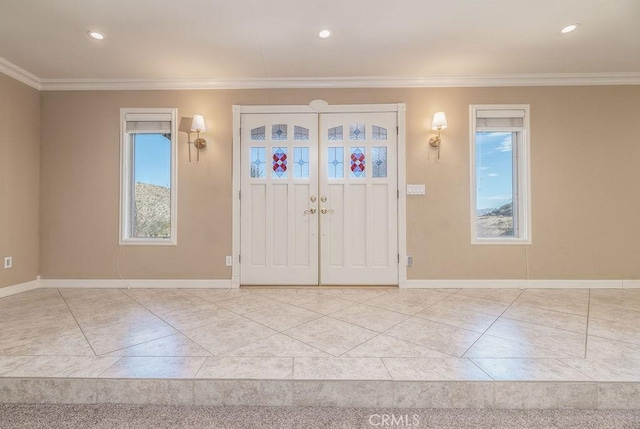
pixel 416 189
pixel 228 261
pixel 8 262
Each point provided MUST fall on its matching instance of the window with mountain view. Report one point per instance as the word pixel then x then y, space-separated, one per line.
pixel 500 174
pixel 148 176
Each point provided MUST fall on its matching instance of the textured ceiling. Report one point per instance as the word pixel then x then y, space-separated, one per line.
pixel 198 39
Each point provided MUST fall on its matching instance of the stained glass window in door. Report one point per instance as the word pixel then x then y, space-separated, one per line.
pixel 258 133
pixel 358 162
pixel 356 132
pixel 279 163
pixel 300 162
pixel 379 161
pixel 335 167
pixel 279 132
pixel 300 133
pixel 379 133
pixel 335 133
pixel 258 162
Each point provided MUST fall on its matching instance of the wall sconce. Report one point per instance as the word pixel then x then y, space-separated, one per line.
pixel 197 126
pixel 439 123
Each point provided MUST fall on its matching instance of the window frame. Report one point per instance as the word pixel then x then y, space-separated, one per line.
pixel 521 177
pixel 127 185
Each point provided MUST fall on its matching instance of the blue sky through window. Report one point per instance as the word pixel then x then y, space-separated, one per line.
pixel 152 159
pixel 494 169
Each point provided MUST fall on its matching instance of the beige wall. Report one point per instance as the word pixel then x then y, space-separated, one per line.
pixel 585 183
pixel 19 180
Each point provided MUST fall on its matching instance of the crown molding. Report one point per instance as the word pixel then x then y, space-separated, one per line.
pixel 434 81
pixel 20 74
pixel 555 79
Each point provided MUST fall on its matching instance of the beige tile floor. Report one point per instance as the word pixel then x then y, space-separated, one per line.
pixel 572 335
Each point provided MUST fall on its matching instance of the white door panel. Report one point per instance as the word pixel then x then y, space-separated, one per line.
pixel 279 175
pixel 358 177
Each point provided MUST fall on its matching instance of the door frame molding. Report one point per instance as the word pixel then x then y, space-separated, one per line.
pixel 321 106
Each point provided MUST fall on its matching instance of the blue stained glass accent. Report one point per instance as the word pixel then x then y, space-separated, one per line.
pixel 379 161
pixel 279 132
pixel 279 163
pixel 300 133
pixel 357 132
pixel 358 162
pixel 379 133
pixel 258 133
pixel 258 161
pixel 335 133
pixel 300 162
pixel 335 168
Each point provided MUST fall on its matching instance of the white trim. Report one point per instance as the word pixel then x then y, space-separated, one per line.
pixel 436 81
pixel 125 180
pixel 631 284
pixel 19 288
pixel 402 194
pixel 135 284
pixel 518 284
pixel 20 74
pixel 235 200
pixel 321 106
pixel 523 172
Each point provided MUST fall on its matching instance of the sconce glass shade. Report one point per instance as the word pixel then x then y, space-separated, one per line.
pixel 198 124
pixel 439 121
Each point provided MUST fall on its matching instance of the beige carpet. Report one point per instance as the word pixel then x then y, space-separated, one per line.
pixel 161 417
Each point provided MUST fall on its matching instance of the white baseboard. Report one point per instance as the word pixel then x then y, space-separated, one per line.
pixel 135 284
pixel 22 287
pixel 631 284
pixel 522 284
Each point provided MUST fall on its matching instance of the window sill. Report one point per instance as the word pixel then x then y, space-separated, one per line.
pixel 501 242
pixel 148 242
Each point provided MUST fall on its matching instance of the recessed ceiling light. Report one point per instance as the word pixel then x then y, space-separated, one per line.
pixel 96 35
pixel 323 34
pixel 569 28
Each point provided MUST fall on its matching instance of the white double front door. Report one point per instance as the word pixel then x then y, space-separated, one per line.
pixel 319 199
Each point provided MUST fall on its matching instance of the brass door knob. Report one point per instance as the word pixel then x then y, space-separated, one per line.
pixel 312 210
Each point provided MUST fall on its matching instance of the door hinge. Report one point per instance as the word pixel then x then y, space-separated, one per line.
pixel 397 131
pixel 239 258
pixel 398 258
pixel 239 195
pixel 240 132
pixel 398 193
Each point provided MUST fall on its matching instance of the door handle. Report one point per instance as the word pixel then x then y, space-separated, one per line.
pixel 326 211
pixel 312 210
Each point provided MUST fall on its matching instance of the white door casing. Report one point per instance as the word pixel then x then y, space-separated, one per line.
pixel 352 245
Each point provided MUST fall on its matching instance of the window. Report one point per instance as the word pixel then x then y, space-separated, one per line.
pixel 500 208
pixel 148 154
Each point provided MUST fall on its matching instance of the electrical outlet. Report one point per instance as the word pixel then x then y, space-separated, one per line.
pixel 409 261
pixel 416 189
pixel 229 261
pixel 8 262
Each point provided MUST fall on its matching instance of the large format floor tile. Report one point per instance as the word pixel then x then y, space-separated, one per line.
pixel 277 345
pixel 266 368
pixel 551 318
pixel 331 335
pixel 433 369
pixel 317 368
pixel 366 316
pixel 623 369
pixel 64 366
pixel 573 301
pixel 386 346
pixel 436 336
pixel 454 316
pixel 282 316
pixel 529 369
pixel 155 367
pixel 566 342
